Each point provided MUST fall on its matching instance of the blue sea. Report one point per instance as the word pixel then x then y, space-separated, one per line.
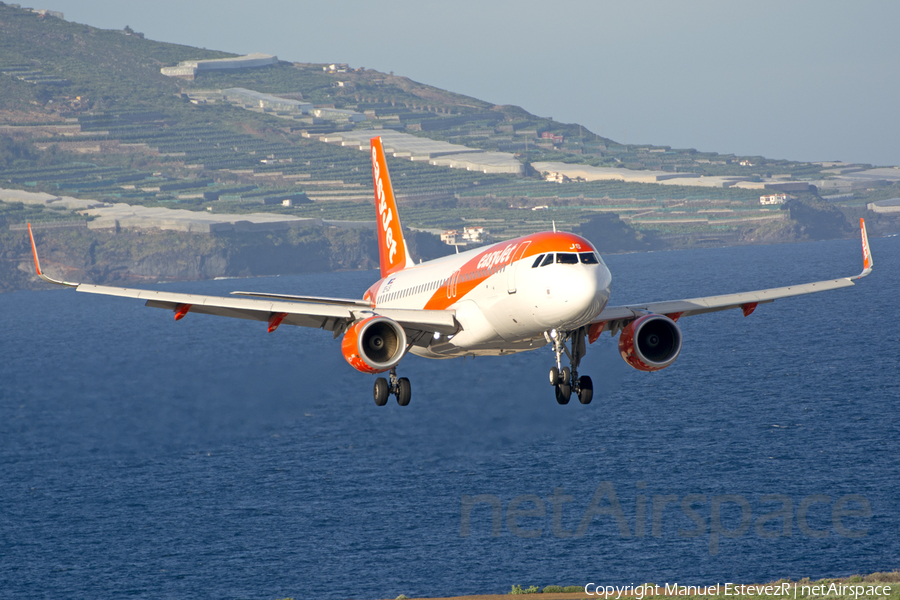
pixel 144 458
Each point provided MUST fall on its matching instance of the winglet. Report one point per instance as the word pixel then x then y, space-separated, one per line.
pixel 868 263
pixel 37 264
pixel 392 251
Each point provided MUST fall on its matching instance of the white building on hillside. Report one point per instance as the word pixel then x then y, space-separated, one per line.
pixel 773 199
pixel 188 69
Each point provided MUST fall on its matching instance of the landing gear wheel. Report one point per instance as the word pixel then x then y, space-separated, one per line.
pixel 554 376
pixel 586 391
pixel 382 391
pixel 404 391
pixel 563 393
pixel 565 376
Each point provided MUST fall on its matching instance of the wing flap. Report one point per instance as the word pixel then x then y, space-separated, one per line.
pixel 443 321
pixel 707 304
pixel 614 318
pixel 301 314
pixel 219 303
pixel 308 299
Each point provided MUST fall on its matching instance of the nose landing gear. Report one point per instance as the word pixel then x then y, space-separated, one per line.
pixel 563 379
pixel 400 387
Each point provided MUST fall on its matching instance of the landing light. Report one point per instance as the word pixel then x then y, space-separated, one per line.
pixel 553 333
pixel 437 335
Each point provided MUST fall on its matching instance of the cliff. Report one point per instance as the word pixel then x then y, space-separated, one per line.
pixel 126 257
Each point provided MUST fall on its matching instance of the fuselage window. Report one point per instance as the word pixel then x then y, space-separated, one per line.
pixel 564 258
pixel 547 260
pixel 589 258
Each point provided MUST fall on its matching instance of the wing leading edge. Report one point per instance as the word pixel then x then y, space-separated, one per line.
pixel 615 318
pixel 331 314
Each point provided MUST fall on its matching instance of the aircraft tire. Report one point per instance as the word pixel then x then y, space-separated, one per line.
pixel 404 391
pixel 563 393
pixel 565 376
pixel 587 389
pixel 554 376
pixel 381 391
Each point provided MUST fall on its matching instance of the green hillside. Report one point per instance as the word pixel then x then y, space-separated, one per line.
pixel 107 69
pixel 86 112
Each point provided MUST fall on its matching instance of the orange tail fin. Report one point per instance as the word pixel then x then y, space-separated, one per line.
pixel 392 251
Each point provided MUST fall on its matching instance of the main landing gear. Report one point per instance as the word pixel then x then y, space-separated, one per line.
pixel 398 386
pixel 565 380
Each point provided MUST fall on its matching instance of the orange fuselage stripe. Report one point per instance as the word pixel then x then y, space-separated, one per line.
pixel 490 261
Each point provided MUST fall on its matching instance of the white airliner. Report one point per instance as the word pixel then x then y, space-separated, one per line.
pixel 521 294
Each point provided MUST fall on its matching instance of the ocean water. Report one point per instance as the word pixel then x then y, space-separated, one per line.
pixel 144 458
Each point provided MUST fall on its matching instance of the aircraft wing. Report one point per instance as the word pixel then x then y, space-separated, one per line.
pixel 331 314
pixel 615 318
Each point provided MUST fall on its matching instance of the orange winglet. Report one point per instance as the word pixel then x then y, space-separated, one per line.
pixel 867 254
pixel 181 310
pixel 748 308
pixel 275 320
pixel 37 262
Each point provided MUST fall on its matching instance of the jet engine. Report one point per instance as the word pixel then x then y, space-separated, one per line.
pixel 650 343
pixel 374 345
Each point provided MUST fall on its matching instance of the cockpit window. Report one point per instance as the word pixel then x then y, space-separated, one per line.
pixel 565 258
pixel 537 261
pixel 589 258
pixel 547 260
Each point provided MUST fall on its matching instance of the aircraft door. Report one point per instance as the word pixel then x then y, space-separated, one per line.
pixel 513 267
pixel 451 285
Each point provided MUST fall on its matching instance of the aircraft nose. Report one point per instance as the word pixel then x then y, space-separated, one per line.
pixel 587 292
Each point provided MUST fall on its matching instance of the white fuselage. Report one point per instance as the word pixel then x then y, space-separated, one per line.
pixel 503 299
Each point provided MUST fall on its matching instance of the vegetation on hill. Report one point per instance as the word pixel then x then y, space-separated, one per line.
pixel 106 69
pixel 86 112
pixel 608 233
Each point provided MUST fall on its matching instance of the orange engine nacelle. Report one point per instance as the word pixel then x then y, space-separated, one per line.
pixel 374 345
pixel 650 343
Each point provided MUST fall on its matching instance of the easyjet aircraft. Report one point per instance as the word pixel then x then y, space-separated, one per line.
pixel 544 289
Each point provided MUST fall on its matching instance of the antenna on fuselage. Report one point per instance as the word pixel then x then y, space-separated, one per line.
pixel 554 226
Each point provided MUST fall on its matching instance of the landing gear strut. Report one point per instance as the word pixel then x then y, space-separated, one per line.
pixel 563 379
pixel 398 386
